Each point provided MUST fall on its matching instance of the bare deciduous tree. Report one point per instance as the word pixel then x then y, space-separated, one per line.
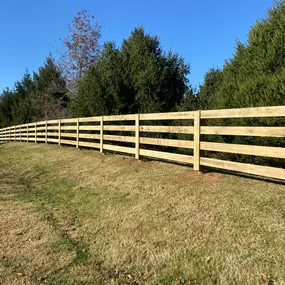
pixel 50 103
pixel 81 46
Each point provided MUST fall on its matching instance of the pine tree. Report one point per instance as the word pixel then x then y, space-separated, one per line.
pixel 22 110
pixel 136 78
pixel 50 97
pixel 7 100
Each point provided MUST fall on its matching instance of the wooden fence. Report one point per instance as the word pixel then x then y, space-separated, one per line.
pixel 134 130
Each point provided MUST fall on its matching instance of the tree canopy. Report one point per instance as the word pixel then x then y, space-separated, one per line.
pixel 137 77
pixel 39 97
pixel 255 75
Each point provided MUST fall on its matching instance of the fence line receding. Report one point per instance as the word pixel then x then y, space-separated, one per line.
pixel 138 131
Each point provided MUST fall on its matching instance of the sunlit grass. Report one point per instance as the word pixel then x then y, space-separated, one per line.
pixel 79 217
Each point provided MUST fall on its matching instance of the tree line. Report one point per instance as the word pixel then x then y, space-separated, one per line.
pixel 139 76
pixel 90 79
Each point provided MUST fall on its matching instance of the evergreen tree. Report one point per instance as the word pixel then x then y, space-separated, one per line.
pixel 49 97
pixel 138 77
pixel 22 110
pixel 253 77
pixel 7 99
pixel 208 91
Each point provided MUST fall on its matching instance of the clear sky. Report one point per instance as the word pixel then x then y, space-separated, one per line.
pixel 204 32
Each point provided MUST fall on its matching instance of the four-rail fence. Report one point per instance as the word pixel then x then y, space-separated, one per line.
pixel 137 131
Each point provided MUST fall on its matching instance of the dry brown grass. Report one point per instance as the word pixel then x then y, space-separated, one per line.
pixel 27 244
pixel 79 217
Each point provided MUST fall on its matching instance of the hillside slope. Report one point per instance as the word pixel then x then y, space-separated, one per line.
pixel 80 217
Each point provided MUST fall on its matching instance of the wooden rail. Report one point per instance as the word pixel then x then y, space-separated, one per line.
pixel 138 134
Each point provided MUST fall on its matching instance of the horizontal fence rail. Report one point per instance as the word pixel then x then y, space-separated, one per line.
pixel 141 134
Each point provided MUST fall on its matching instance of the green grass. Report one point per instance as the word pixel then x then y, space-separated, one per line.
pixel 79 217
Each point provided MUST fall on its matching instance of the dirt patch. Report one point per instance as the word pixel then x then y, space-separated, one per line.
pixel 195 177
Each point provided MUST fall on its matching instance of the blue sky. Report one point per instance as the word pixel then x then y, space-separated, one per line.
pixel 204 32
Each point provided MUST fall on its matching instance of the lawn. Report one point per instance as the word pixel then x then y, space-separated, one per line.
pixel 71 216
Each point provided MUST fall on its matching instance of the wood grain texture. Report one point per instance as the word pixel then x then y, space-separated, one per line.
pixel 128 139
pixel 77 133
pixel 168 129
pixel 46 132
pixel 276 111
pixel 244 131
pixel 66 135
pixel 266 171
pixel 52 128
pixel 52 140
pixel 41 128
pixel 167 142
pixel 89 144
pixel 70 142
pixel 119 128
pixel 72 120
pixel 89 128
pixel 197 130
pixel 68 128
pixel 70 131
pixel 90 136
pixel 167 156
pixel 59 132
pixel 53 122
pixel 119 148
pixel 137 137
pixel 114 118
pixel 167 116
pixel 266 151
pixel 89 119
pixel 101 134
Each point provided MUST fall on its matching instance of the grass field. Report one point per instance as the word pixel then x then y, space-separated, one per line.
pixel 80 217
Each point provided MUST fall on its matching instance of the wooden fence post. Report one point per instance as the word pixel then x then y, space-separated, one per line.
pixel 59 131
pixel 15 133
pixel 35 132
pixel 27 133
pixel 197 140
pixel 101 133
pixel 137 134
pixel 10 134
pixel 77 134
pixel 46 132
pixel 20 133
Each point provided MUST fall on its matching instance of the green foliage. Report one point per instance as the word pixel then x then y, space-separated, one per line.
pixel 6 104
pixel 254 77
pixel 50 97
pixel 22 106
pixel 207 95
pixel 39 98
pixel 138 77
